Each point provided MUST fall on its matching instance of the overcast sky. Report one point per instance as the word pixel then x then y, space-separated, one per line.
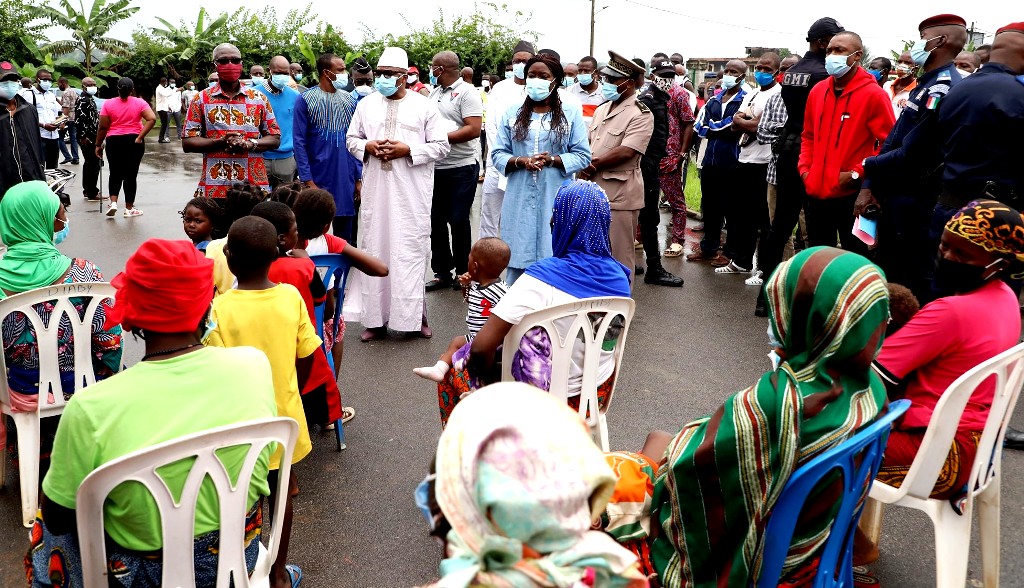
pixel 633 27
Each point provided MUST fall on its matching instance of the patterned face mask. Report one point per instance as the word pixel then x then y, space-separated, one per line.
pixel 662 84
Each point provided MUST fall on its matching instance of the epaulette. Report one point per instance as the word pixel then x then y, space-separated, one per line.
pixel 643 107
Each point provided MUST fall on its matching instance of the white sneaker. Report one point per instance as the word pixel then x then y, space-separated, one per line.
pixel 130 212
pixel 754 280
pixel 112 210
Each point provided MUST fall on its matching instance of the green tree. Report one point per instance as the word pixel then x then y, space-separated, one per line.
pixel 41 58
pixel 188 46
pixel 18 19
pixel 906 47
pixel 260 35
pixel 89 30
pixel 324 40
pixel 484 39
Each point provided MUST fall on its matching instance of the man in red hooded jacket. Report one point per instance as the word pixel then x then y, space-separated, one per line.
pixel 847 119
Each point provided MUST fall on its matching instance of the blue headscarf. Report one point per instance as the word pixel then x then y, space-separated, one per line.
pixel 582 265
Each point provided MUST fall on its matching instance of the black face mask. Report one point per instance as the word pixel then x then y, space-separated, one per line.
pixel 958 277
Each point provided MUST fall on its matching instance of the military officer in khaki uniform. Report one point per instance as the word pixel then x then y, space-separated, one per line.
pixel 619 135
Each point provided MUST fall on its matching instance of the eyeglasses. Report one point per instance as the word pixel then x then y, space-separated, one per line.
pixel 227 60
pixel 362 82
pixel 391 74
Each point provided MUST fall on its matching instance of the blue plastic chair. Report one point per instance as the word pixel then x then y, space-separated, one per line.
pixel 332 265
pixel 836 565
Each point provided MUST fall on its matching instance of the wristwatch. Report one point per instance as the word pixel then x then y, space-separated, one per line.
pixel 253 145
pixel 854 175
pixel 549 160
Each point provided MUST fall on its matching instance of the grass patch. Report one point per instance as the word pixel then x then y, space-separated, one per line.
pixel 692 188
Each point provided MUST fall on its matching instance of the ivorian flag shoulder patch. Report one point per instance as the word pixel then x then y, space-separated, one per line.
pixel 933 102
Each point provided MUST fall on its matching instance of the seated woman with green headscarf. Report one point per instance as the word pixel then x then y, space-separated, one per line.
pixel 710 493
pixel 32 219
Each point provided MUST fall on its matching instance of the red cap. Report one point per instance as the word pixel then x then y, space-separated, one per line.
pixel 941 20
pixel 1017 27
pixel 414 70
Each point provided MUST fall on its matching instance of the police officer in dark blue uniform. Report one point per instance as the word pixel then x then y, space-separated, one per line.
pixel 982 121
pixel 790 192
pixel 902 182
pixel 655 97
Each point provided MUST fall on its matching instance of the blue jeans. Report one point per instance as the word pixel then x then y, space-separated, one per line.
pixel 71 133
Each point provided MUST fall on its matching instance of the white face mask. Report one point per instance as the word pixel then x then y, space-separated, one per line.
pixel 964 72
pixel 412 78
pixel 680 80
pixel 91 90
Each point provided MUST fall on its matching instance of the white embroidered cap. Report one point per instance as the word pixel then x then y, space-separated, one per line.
pixel 394 57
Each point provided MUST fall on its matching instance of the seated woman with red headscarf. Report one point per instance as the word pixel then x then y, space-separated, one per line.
pixel 180 387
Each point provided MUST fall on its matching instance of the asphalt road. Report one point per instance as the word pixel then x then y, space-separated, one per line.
pixel 356 524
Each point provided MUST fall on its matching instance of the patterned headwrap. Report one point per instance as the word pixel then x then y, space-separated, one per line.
pixel 992 225
pixel 713 495
pixel 166 287
pixel 520 481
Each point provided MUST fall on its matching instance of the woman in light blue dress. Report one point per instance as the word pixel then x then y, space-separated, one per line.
pixel 539 145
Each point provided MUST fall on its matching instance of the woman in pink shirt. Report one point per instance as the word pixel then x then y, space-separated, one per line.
pixel 121 125
pixel 982 244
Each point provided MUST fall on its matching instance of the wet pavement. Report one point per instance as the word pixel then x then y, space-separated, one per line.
pixel 356 524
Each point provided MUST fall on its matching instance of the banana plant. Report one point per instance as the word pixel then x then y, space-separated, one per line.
pixel 89 30
pixel 191 46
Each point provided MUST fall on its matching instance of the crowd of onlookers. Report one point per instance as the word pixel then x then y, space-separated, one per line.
pixel 907 276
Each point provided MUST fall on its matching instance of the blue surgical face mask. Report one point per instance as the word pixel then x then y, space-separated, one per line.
pixel 537 89
pixel 364 90
pixel 876 73
pixel 9 88
pixel 433 80
pixel 422 496
pixel 610 91
pixel 256 80
pixel 519 70
pixel 298 77
pixel 279 80
pixel 340 81
pixel 568 81
pixel 386 86
pixel 45 85
pixel 918 52
pixel 728 82
pixel 585 79
pixel 59 236
pixel 836 65
pixel 764 78
pixel 508 75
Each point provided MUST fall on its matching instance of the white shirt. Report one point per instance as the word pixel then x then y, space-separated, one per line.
pixel 753 104
pixel 47 108
pixel 188 95
pixel 164 96
pixel 899 100
pixel 529 294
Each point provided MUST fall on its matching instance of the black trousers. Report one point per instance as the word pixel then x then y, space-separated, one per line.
pixel 454 191
pixel 905 252
pixel 90 171
pixel 649 218
pixel 789 200
pixel 828 218
pixel 715 186
pixel 51 149
pixel 165 121
pixel 124 156
pixel 748 212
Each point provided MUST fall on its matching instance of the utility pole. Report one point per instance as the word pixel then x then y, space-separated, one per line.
pixel 593 4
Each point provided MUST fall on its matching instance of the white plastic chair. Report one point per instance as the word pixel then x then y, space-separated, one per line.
pixel 178 516
pixel 563 339
pixel 953 531
pixel 51 397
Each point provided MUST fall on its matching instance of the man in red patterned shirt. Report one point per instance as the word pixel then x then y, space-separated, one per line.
pixel 680 137
pixel 231 126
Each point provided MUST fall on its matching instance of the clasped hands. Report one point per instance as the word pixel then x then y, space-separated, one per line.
pixel 387 149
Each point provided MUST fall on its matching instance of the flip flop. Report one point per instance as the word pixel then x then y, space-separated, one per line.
pixel 347 413
pixel 294 574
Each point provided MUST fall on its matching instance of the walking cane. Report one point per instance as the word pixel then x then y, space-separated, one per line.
pixel 101 186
